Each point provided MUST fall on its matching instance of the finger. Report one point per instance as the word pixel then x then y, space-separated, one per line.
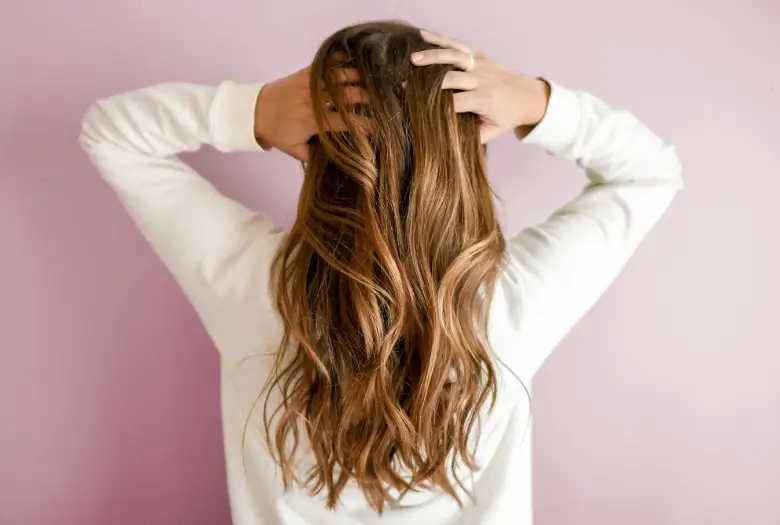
pixel 459 80
pixel 346 97
pixel 488 132
pixel 300 152
pixel 339 58
pixel 335 122
pixel 352 95
pixel 345 75
pixel 466 102
pixel 456 57
pixel 341 75
pixel 444 41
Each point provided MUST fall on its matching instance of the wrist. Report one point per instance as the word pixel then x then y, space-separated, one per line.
pixel 537 95
pixel 540 97
pixel 263 127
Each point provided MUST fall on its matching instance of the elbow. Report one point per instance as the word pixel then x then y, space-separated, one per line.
pixel 665 173
pixel 94 128
pixel 674 168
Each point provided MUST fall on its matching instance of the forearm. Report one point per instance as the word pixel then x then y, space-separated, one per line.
pixel 559 268
pixel 133 138
pixel 537 107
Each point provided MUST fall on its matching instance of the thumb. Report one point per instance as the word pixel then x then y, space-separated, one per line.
pixel 300 152
pixel 488 132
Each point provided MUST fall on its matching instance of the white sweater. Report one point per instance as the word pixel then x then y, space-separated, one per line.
pixel 220 253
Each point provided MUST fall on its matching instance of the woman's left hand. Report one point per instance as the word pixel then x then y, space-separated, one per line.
pixel 504 100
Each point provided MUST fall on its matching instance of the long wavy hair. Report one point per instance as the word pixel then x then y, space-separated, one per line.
pixel 385 279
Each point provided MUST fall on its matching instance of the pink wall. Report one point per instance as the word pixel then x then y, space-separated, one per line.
pixel 108 385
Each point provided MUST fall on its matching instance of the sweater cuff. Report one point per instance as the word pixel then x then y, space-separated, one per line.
pixel 557 131
pixel 233 117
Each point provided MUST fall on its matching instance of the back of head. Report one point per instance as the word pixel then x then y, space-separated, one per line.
pixel 384 281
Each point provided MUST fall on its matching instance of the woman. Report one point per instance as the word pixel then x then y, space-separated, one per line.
pixel 375 357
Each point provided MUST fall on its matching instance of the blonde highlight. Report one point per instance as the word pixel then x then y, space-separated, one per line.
pixel 384 282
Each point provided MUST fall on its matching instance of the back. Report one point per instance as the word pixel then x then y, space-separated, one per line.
pixel 500 487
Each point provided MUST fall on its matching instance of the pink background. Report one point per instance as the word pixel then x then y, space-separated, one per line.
pixel 108 384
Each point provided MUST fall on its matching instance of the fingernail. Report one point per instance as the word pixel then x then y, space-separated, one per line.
pixel 416 57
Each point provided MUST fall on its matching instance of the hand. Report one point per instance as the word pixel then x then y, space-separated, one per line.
pixel 503 100
pixel 284 118
pixel 284 112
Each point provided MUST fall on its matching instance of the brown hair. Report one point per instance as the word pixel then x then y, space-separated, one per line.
pixel 384 281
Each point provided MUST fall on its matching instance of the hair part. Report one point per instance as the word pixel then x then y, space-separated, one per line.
pixel 384 282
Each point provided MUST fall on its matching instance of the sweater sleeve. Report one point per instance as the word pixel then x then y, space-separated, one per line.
pixel 558 269
pixel 199 234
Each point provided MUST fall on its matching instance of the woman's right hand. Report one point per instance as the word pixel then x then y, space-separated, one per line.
pixel 504 100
